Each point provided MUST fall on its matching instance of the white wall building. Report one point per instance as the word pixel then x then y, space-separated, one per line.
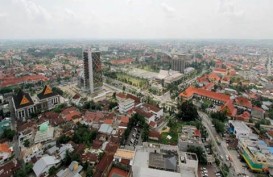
pixel 239 128
pixel 125 105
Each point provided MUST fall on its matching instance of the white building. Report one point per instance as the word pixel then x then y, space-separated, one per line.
pixel 44 133
pixel 125 105
pixel 43 165
pixel 72 171
pixel 239 128
pixel 189 162
pixel 33 151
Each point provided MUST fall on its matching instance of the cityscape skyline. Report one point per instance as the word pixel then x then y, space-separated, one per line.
pixel 212 19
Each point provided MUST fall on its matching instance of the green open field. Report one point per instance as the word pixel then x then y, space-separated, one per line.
pixel 135 81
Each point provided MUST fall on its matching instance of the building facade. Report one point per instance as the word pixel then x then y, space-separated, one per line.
pixel 92 71
pixel 24 105
pixel 178 62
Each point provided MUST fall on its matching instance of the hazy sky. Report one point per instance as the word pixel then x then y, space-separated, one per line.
pixel 136 19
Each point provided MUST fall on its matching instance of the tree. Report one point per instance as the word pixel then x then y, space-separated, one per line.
pixel 187 111
pixel 199 152
pixel 219 126
pixel 89 171
pixel 123 88
pixel 57 90
pixel 9 134
pixel 26 143
pixel 63 139
pixel 52 171
pixel 221 116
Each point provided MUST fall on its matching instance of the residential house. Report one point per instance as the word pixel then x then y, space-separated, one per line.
pixel 31 152
pixel 257 113
pixel 5 152
pixel 72 171
pixel 42 166
pixel 9 168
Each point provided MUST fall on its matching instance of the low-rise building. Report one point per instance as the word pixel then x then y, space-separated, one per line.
pixel 189 162
pixel 239 128
pixel 126 105
pixel 124 154
pixel 42 166
pixel 72 171
pixel 31 152
pixel 256 153
pixel 45 133
pixel 5 152
pixel 189 136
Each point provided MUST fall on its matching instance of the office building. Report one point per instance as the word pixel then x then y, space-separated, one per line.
pixel 92 71
pixel 178 62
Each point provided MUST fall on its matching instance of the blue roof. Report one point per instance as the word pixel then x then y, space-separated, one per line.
pixel 261 142
pixel 270 149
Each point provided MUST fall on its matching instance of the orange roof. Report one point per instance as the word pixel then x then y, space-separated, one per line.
pixel 209 86
pixel 5 148
pixel 214 76
pixel 108 121
pixel 124 119
pixel 190 91
pixel 9 81
pixel 71 113
pixel 243 102
pixel 229 107
pixel 244 117
pixel 219 70
pixel 122 61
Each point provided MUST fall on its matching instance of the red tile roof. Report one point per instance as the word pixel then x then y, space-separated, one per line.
pixel 124 119
pixel 213 77
pixel 154 134
pixel 108 121
pixel 117 172
pixel 9 81
pixel 241 101
pixel 89 157
pixel 152 124
pixel 190 91
pixel 8 169
pixel 71 113
pixel 96 144
pixel 103 164
pixel 197 133
pixel 219 70
pixel 122 61
pixel 93 116
pixel 229 107
pixel 243 117
pixel 5 148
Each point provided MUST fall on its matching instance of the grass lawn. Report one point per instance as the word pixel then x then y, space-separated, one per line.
pixel 174 130
pixel 138 82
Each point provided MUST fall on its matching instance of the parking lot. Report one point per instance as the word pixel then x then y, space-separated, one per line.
pixel 134 138
pixel 208 171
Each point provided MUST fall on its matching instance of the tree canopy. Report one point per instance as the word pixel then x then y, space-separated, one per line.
pixel 187 111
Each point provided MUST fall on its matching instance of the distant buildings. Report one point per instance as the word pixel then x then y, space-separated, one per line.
pixel 91 80
pixel 190 136
pixel 178 62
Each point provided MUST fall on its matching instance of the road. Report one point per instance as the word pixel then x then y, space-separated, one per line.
pixel 15 142
pixel 221 150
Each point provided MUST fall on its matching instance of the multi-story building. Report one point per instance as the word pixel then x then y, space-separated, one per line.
pixel 24 105
pixel 92 71
pixel 47 99
pixel 178 62
pixel 125 105
pixel 257 154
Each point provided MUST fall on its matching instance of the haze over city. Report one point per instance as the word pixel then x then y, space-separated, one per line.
pixel 136 19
